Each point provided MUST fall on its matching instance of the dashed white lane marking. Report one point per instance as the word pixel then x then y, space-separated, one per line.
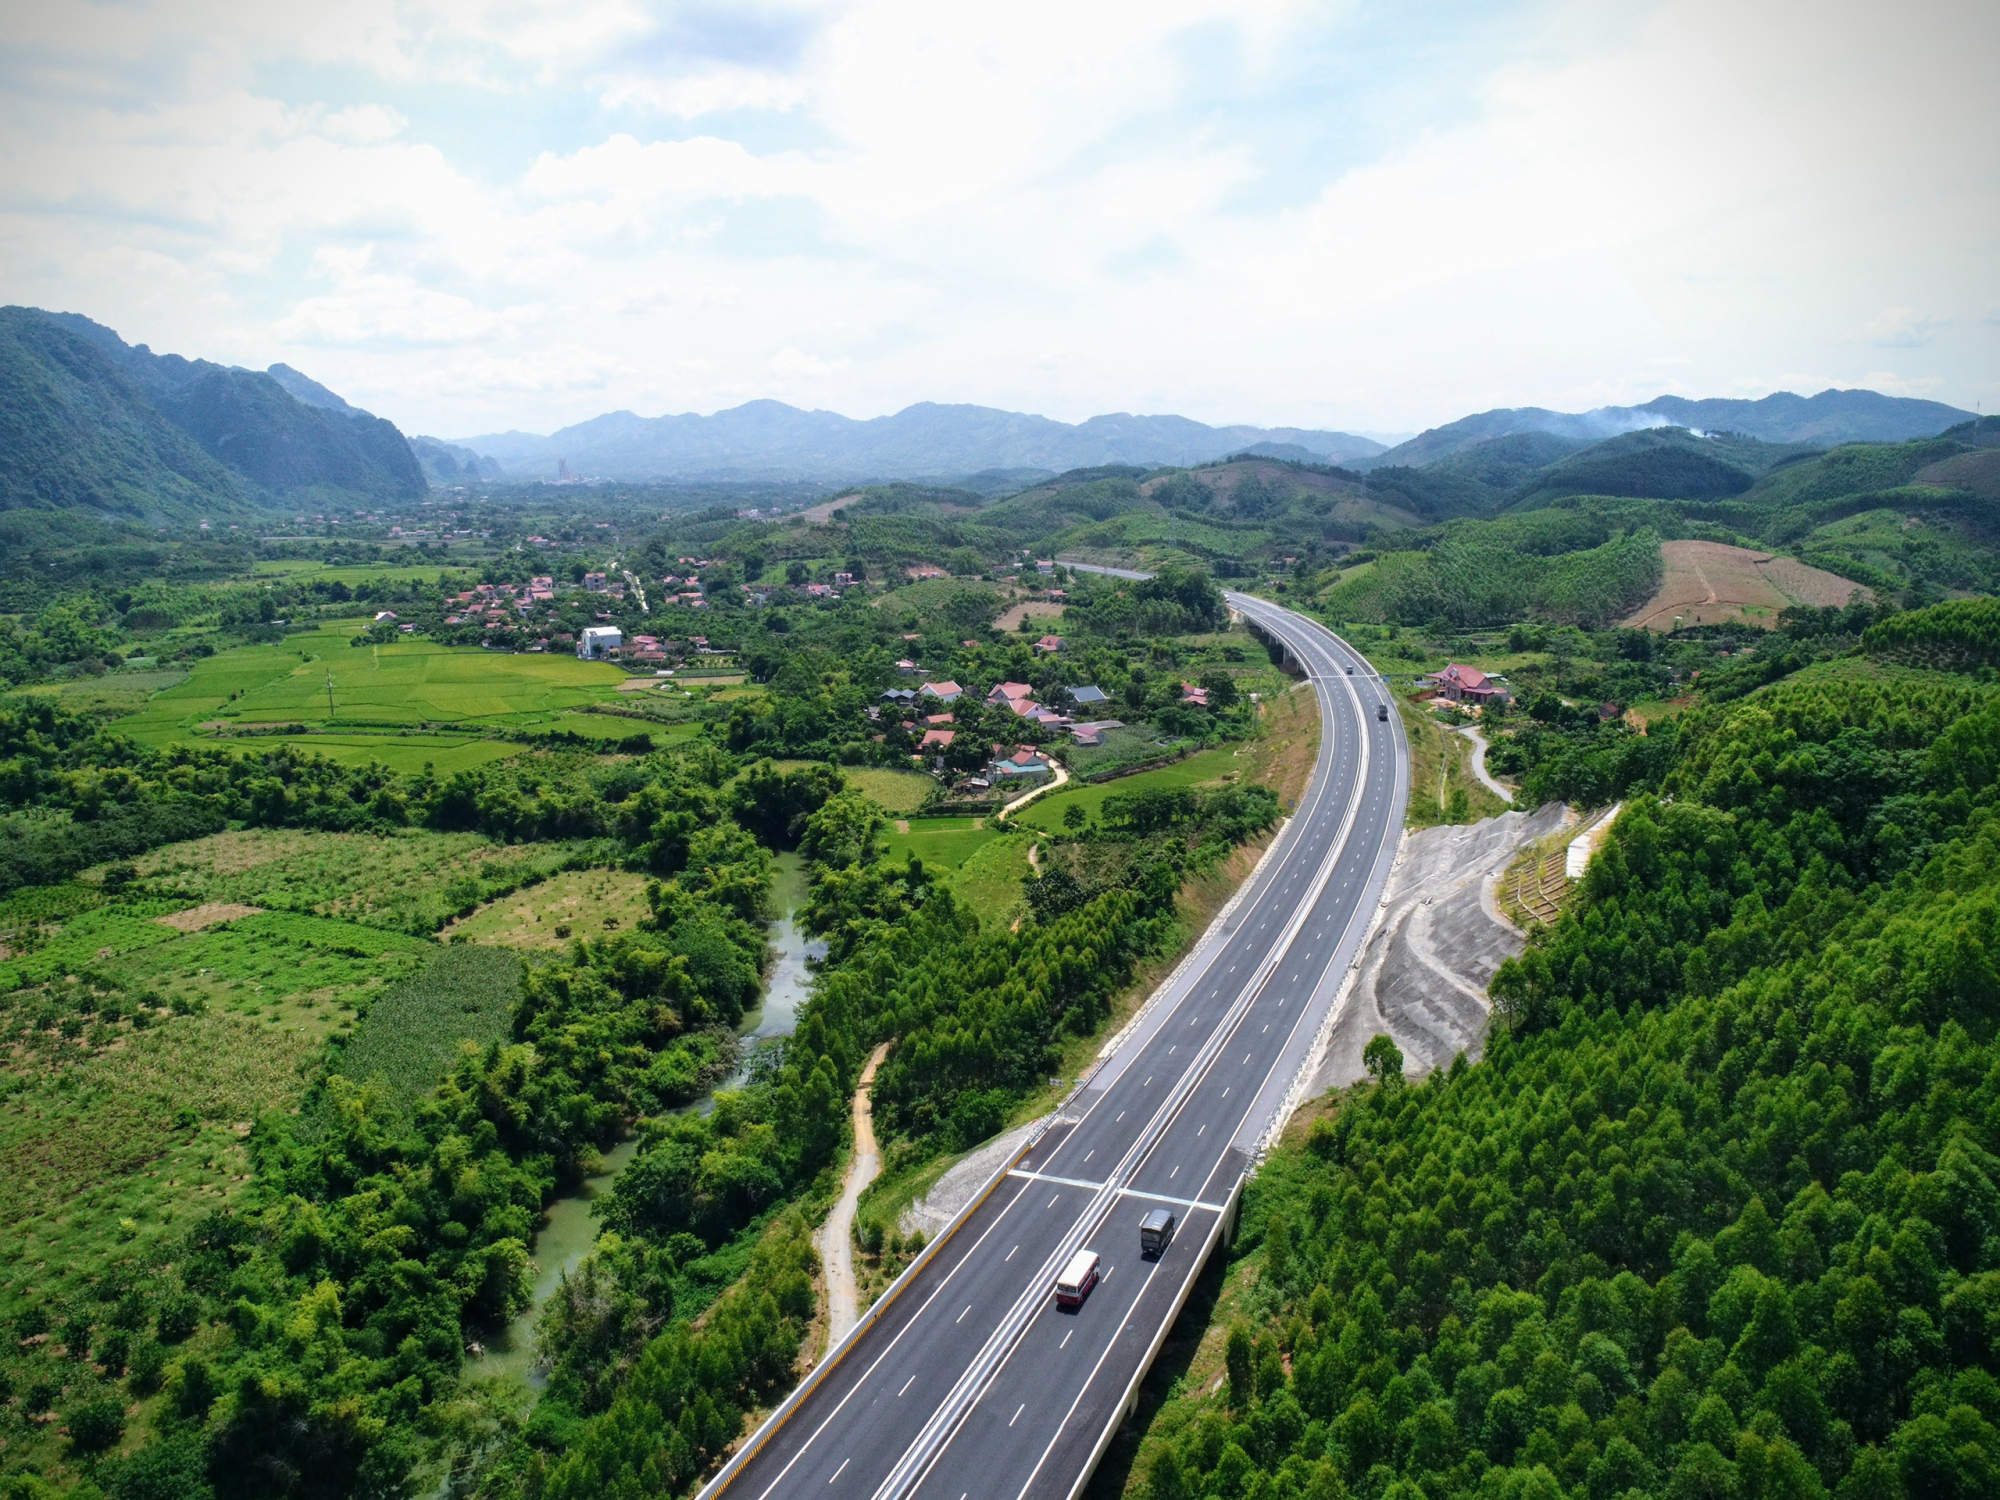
pixel 837 1472
pixel 907 1384
pixel 1017 1414
pixel 961 1317
pixel 1066 1337
pixel 1009 1255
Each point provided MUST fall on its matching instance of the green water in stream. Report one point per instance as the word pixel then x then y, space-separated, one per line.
pixel 568 1229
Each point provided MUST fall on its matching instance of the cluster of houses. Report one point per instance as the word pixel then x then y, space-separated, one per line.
pixel 490 603
pixel 1024 762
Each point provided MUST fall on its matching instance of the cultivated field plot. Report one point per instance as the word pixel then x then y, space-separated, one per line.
pixel 901 792
pixel 1708 583
pixel 580 903
pixel 140 1038
pixel 406 682
pixel 1029 609
pixel 412 881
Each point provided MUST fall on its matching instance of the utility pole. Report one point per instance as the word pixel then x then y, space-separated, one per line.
pixel 329 696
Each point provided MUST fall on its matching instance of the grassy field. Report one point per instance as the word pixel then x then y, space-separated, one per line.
pixel 900 792
pixel 407 682
pixel 941 843
pixel 584 903
pixel 989 880
pixel 1440 769
pixel 413 881
pixel 1203 766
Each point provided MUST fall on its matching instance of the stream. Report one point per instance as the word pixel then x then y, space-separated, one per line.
pixel 568 1230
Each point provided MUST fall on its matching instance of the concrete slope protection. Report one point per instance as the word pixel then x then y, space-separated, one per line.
pixel 965 1378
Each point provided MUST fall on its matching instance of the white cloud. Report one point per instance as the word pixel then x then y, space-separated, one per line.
pixel 1901 328
pixel 523 212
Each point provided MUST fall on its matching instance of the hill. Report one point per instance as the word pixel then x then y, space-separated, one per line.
pixel 768 439
pixel 1830 417
pixel 93 421
pixel 1665 463
pixel 80 434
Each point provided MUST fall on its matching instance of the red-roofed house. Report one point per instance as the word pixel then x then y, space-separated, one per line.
pixel 1198 696
pixel 1467 685
pixel 937 737
pixel 1049 643
pixel 1010 692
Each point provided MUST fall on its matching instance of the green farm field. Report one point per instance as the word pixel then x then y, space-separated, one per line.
pixel 1202 767
pixel 407 682
pixel 304 570
pixel 942 843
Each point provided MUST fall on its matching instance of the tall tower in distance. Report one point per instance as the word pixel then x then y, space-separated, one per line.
pixel 562 471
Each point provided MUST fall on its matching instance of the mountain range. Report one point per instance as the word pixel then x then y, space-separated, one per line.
pixel 87 420
pixel 1826 419
pixel 771 440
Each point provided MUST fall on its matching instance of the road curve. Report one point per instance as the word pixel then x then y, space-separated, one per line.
pixel 964 1379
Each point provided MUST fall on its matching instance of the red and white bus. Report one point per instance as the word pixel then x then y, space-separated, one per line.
pixel 1077 1278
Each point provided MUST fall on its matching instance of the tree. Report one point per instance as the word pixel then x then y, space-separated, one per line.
pixel 796 573
pixel 1238 1356
pixel 1383 1059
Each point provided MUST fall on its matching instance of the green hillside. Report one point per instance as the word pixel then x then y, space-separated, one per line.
pixel 79 432
pixel 92 422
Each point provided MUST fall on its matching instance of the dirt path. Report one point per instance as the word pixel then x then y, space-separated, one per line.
pixel 836 1240
pixel 1479 763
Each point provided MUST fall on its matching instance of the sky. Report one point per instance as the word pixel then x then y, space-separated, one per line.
pixel 478 215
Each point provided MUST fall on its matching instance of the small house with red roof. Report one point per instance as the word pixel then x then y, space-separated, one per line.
pixel 1464 684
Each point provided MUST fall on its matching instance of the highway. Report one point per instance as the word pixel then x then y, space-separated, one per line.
pixel 965 1379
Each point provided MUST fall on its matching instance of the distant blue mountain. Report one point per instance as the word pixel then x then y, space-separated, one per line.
pixel 768 440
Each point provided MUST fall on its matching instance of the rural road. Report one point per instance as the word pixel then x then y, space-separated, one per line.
pixel 964 1379
pixel 837 1235
pixel 1061 778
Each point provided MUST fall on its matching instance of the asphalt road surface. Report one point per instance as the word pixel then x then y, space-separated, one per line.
pixel 966 1380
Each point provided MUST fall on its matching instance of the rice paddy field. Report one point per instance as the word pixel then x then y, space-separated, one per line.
pixel 412 683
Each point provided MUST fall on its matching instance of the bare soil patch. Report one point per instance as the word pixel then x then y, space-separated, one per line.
pixel 208 914
pixel 1029 609
pixel 1708 583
